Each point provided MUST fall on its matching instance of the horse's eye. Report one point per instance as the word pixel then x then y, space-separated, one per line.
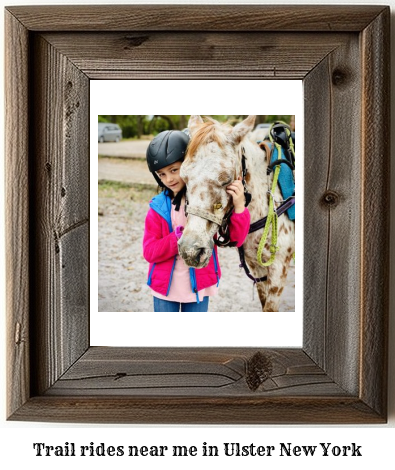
pixel 228 182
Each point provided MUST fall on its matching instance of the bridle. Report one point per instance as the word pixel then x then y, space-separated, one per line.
pixel 221 216
pixel 217 217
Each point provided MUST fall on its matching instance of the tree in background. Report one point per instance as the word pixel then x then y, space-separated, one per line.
pixel 135 126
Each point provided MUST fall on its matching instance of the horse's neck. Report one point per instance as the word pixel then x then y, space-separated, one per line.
pixel 257 184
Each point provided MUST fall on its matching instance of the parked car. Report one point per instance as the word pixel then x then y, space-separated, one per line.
pixel 265 125
pixel 109 132
pixel 261 131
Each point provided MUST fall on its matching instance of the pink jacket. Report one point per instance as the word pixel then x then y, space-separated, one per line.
pixel 160 247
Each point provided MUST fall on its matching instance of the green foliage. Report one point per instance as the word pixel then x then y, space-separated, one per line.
pixel 125 191
pixel 286 118
pixel 134 126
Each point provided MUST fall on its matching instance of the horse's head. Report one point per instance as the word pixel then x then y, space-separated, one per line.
pixel 212 162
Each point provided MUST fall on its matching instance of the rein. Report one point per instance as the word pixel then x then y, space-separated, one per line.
pixel 259 224
pixel 223 238
pixel 283 207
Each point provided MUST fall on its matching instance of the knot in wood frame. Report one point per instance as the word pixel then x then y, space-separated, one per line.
pixel 330 198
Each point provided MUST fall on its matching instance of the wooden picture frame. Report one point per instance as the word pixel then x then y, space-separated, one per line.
pixel 340 374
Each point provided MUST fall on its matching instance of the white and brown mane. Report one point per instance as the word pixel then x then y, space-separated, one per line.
pixel 213 160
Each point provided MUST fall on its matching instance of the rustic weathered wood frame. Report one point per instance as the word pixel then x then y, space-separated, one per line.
pixel 340 373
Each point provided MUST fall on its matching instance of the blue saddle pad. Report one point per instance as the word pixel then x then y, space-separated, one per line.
pixel 285 180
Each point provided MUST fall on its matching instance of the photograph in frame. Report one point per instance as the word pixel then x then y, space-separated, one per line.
pixel 125 189
pixel 125 175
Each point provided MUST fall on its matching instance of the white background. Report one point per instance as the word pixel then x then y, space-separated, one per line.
pixel 111 97
pixel 16 439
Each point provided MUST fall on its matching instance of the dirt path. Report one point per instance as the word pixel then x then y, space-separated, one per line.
pixel 124 170
pixel 124 149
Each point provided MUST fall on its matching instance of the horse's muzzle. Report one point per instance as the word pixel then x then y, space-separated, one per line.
pixel 195 256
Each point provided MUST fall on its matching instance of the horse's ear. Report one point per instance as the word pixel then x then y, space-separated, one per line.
pixel 194 122
pixel 243 128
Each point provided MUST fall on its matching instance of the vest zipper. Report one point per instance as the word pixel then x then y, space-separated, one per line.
pixel 192 276
pixel 171 276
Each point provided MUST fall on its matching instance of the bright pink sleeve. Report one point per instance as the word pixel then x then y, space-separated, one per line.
pixel 156 246
pixel 239 226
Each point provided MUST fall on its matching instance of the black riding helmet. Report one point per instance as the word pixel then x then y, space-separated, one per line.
pixel 164 149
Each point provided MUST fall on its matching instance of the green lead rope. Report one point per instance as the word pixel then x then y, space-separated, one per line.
pixel 271 222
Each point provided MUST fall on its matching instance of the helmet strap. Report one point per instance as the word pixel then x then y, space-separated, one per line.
pixel 177 199
pixel 158 180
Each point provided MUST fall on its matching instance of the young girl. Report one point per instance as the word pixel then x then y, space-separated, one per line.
pixel 168 276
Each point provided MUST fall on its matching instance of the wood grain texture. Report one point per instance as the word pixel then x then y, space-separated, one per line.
pixel 317 152
pixel 333 222
pixel 60 209
pixel 17 213
pixel 197 410
pixel 339 376
pixel 376 157
pixel 196 55
pixel 186 372
pixel 196 17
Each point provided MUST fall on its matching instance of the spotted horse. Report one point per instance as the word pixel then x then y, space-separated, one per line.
pixel 217 154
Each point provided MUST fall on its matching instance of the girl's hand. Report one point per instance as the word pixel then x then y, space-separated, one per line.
pixel 236 190
pixel 178 231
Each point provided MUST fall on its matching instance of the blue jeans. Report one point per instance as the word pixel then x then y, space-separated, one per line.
pixel 161 305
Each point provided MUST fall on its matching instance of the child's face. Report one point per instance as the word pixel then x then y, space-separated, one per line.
pixel 170 177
